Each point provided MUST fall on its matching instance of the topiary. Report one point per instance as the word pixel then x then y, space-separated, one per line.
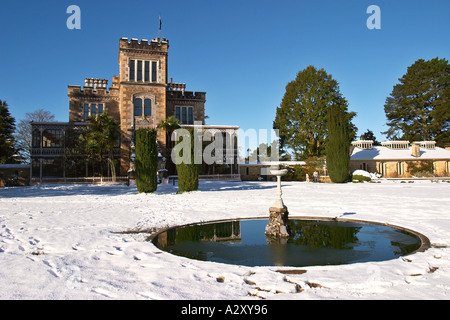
pixel 146 160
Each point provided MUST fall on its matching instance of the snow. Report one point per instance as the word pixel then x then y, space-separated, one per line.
pixel 362 173
pixel 385 153
pixel 65 242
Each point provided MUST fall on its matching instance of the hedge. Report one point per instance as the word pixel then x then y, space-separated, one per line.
pixel 146 160
pixel 187 172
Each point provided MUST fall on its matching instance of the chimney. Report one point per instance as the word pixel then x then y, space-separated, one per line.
pixel 415 150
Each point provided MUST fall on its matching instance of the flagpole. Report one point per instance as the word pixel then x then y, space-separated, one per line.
pixel 160 27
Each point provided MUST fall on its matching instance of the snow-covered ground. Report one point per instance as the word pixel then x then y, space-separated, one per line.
pixel 63 242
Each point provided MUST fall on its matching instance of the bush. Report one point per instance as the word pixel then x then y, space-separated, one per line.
pixel 360 178
pixel 420 169
pixel 295 173
pixel 187 172
pixel 146 160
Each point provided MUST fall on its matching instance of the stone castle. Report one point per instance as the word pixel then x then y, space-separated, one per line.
pixel 141 96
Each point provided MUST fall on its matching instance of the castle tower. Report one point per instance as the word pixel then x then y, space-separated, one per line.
pixel 142 93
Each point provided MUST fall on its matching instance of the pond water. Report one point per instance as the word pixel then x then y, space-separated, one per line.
pixel 312 243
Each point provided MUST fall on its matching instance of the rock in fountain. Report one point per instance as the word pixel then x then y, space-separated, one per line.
pixel 278 213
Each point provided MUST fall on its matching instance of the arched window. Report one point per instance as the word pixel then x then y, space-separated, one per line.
pixel 147 107
pixel 138 107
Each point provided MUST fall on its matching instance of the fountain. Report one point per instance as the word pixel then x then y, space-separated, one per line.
pixel 297 242
pixel 278 213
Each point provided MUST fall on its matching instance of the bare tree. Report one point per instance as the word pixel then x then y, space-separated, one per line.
pixel 23 130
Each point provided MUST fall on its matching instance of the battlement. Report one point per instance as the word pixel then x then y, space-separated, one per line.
pixel 185 95
pixel 155 44
pixel 95 83
pixel 176 86
pixel 93 86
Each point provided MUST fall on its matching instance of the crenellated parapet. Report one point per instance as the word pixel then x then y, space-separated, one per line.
pixel 154 45
pixel 176 86
pixel 186 95
pixel 93 87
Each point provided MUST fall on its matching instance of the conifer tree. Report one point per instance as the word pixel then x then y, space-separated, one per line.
pixel 146 160
pixel 8 150
pixel 419 106
pixel 301 116
pixel 338 144
pixel 187 170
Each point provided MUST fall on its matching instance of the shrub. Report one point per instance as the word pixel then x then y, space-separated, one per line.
pixel 295 173
pixel 360 178
pixel 187 170
pixel 421 169
pixel 146 160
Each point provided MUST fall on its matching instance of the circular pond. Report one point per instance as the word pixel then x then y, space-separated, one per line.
pixel 312 242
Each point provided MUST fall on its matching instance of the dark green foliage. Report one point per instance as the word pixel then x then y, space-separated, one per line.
pixel 360 178
pixel 8 150
pixel 422 168
pixel 316 234
pixel 302 115
pixel 338 145
pixel 169 125
pixel 100 139
pixel 187 171
pixel 74 154
pixel 368 135
pixel 146 160
pixel 419 106
pixel 295 173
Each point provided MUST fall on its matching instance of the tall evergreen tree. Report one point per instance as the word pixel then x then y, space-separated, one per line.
pixel 146 160
pixel 187 169
pixel 369 135
pixel 302 115
pixel 419 106
pixel 8 151
pixel 338 146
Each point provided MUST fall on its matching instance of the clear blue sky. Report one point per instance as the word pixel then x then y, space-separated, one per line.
pixel 242 53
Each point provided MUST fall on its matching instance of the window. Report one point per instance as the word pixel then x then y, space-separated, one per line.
pixel 400 169
pixel 132 70
pixel 154 66
pixel 190 116
pixel 86 111
pixel 92 109
pixel 52 138
pixel 138 107
pixel 142 105
pixel 147 107
pixel 185 115
pixel 140 70
pixel 147 71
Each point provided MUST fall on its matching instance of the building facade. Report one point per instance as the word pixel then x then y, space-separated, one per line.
pixel 400 159
pixel 141 96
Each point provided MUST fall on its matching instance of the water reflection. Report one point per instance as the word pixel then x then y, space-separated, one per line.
pixel 311 243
